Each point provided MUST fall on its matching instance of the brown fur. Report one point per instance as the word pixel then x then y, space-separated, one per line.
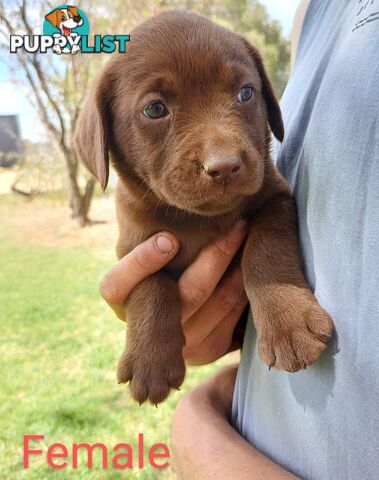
pixel 197 69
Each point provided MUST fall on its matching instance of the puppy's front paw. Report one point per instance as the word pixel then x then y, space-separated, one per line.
pixel 151 379
pixel 296 338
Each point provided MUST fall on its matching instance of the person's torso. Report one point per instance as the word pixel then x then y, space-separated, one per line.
pixel 323 422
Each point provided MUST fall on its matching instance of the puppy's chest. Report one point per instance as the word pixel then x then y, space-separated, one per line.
pixel 190 245
pixel 137 224
pixel 192 239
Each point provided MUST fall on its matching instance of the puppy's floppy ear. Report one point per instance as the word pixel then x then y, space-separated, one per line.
pixel 273 110
pixel 54 17
pixel 74 11
pixel 91 132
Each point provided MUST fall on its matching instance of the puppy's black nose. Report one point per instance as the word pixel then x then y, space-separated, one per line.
pixel 77 19
pixel 223 169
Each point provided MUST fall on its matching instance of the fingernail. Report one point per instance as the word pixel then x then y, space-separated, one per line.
pixel 164 244
pixel 241 224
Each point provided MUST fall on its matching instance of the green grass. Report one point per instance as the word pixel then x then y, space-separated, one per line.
pixel 59 349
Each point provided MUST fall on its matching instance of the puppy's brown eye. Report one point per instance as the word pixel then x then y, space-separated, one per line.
pixel 155 110
pixel 245 94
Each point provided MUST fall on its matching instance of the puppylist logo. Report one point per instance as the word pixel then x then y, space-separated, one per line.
pixel 66 30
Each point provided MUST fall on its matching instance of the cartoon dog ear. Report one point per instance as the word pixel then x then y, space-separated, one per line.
pixel 273 110
pixel 91 132
pixel 74 11
pixel 53 17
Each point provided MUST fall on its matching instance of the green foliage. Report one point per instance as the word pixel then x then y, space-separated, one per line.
pixel 246 17
pixel 250 19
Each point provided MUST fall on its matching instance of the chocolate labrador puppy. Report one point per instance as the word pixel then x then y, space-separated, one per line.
pixel 186 113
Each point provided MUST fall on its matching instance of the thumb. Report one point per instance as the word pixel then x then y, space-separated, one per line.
pixel 144 260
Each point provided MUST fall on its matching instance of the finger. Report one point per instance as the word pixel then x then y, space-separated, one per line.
pixel 217 344
pixel 228 294
pixel 198 281
pixel 144 260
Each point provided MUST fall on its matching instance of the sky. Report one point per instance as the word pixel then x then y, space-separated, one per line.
pixel 14 100
pixel 283 11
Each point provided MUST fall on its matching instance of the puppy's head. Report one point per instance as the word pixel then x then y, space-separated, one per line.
pixel 69 17
pixel 185 112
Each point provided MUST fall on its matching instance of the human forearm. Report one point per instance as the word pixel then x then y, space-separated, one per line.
pixel 206 446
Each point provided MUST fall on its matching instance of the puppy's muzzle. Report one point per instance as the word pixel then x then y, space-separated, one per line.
pixel 223 169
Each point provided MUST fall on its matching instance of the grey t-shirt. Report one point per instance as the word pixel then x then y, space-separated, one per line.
pixel 323 422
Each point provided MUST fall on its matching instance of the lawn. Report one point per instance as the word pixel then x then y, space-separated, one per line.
pixel 60 345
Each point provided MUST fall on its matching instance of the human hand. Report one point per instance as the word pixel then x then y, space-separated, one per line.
pixel 210 308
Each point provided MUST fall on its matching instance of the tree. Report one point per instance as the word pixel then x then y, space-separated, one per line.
pixel 250 19
pixel 246 17
pixel 56 89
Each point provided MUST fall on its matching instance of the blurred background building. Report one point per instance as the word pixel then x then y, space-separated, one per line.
pixel 10 140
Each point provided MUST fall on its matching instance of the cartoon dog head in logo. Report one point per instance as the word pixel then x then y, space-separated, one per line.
pixel 65 19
